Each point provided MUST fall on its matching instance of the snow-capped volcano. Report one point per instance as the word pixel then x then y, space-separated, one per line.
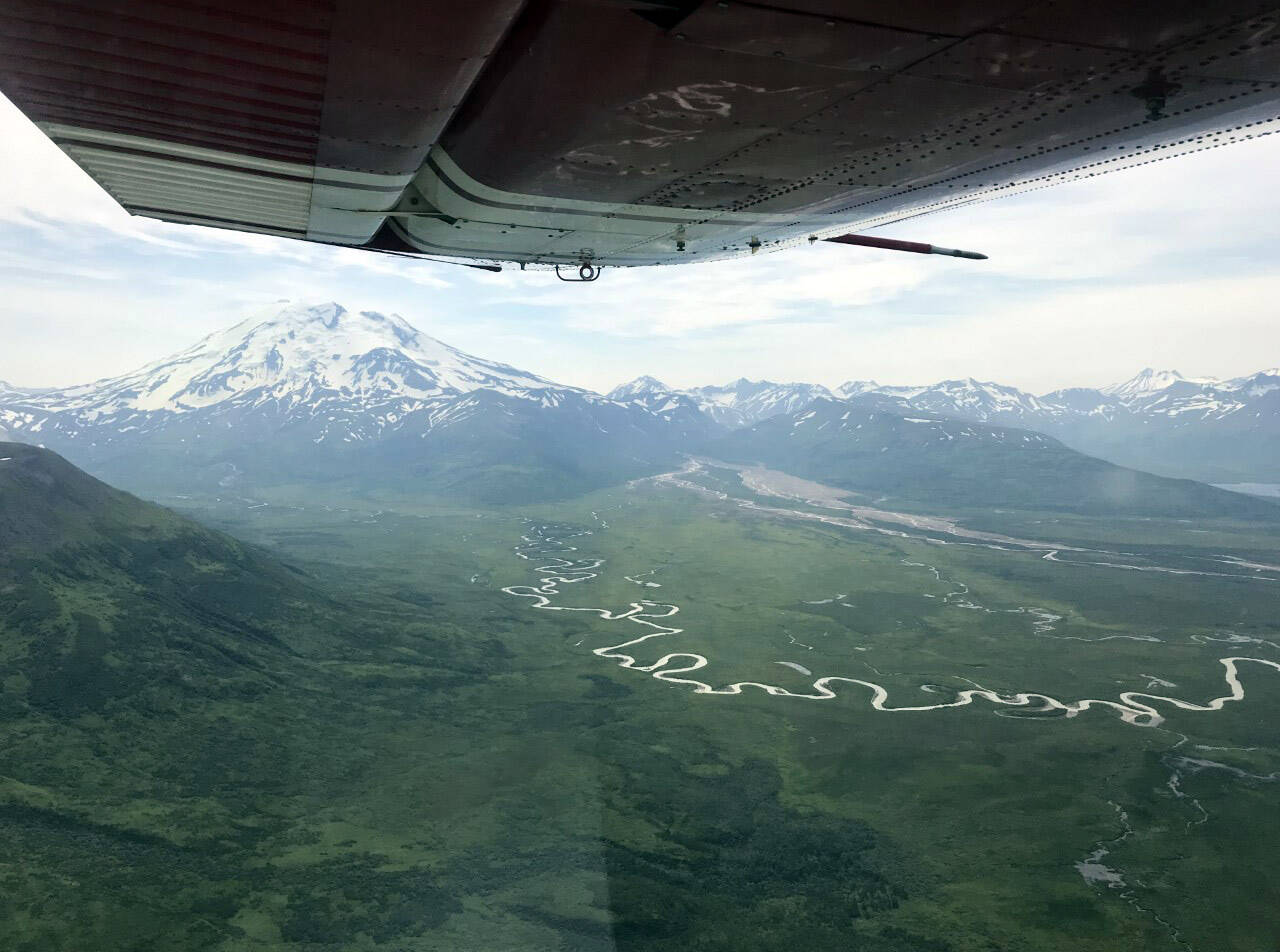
pixel 348 375
pixel 302 356
pixel 306 392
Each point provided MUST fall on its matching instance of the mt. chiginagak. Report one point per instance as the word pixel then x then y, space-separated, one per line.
pixel 321 394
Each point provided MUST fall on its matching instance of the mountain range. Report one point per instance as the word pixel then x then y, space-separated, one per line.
pixel 302 395
pixel 733 405
pixel 1198 428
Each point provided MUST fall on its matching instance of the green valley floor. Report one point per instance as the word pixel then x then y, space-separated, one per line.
pixel 713 711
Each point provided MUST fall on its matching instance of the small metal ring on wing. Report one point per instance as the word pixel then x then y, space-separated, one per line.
pixel 587 272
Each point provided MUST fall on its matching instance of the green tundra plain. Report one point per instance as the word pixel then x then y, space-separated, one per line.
pixel 376 724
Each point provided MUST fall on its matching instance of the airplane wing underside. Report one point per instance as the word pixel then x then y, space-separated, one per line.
pixel 620 133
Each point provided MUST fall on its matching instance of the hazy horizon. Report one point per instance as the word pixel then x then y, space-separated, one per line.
pixel 268 311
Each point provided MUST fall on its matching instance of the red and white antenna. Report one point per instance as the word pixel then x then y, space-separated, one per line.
pixel 893 244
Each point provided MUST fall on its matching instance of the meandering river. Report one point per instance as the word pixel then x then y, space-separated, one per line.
pixel 557 566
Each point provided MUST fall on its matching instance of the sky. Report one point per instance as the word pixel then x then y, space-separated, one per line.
pixel 1170 265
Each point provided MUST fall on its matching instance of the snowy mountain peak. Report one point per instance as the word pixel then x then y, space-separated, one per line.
pixel 737 403
pixel 327 315
pixel 1255 385
pixel 1271 373
pixel 748 401
pixel 639 386
pixel 853 388
pixel 1146 381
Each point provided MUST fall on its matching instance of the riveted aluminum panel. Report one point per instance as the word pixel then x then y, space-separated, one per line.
pixel 802 37
pixel 1130 26
pixel 638 109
